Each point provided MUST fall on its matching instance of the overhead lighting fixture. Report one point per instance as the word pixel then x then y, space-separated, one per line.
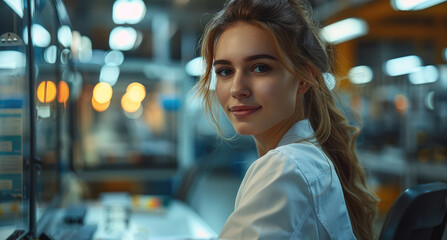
pixel 414 5
pixel 344 30
pixel 130 12
pixel 426 74
pixel 402 65
pixel 360 74
pixel 122 38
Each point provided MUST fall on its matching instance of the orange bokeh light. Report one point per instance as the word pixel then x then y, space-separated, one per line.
pixel 100 107
pixel 63 92
pixel 136 92
pixel 102 93
pixel 401 103
pixel 46 92
pixel 129 105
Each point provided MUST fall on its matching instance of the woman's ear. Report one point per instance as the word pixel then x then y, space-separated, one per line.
pixel 303 86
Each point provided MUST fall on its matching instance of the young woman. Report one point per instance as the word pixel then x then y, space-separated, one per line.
pixel 307 183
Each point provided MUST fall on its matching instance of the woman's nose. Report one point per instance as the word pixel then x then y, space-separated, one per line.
pixel 240 87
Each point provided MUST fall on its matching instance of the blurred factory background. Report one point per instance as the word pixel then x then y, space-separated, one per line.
pixel 391 71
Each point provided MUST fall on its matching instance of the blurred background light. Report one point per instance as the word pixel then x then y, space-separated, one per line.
pixel 344 30
pixel 360 74
pixel 46 92
pixel 85 49
pixel 128 11
pixel 50 54
pixel 102 93
pixel 426 74
pixel 170 102
pixel 100 107
pixel 64 36
pixel 109 74
pixel 443 75
pixel 41 36
pixel 75 43
pixel 429 100
pixel 401 103
pixel 402 65
pixel 63 92
pixel 413 5
pixel 134 115
pixel 128 104
pixel 122 38
pixel 16 6
pixel 65 56
pixel 11 59
pixel 136 92
pixel 329 80
pixel 114 58
pixel 195 67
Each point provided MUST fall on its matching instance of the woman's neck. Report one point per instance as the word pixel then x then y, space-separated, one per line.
pixel 269 139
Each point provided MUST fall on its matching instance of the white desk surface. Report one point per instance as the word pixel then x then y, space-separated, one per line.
pixel 177 221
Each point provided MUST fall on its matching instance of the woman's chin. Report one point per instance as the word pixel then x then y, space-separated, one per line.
pixel 243 131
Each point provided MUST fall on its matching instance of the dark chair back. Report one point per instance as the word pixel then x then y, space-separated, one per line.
pixel 419 213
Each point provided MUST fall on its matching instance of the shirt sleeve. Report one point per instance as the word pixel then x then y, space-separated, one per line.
pixel 273 201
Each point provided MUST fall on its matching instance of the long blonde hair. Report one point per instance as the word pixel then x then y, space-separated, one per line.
pixel 306 56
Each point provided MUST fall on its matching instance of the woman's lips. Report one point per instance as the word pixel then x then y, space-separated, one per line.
pixel 243 111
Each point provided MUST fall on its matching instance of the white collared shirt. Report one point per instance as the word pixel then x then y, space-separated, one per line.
pixel 292 192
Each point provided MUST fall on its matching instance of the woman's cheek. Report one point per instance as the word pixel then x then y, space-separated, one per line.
pixel 222 93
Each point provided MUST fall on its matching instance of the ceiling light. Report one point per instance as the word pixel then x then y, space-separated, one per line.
pixel 344 30
pixel 130 12
pixel 402 65
pixel 426 74
pixel 122 38
pixel 360 74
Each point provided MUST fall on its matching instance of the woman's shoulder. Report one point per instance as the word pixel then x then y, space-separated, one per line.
pixel 307 157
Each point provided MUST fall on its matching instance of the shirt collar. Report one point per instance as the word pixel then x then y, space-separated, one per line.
pixel 300 130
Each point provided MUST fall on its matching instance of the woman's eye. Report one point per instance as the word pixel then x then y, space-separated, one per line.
pixel 261 68
pixel 223 72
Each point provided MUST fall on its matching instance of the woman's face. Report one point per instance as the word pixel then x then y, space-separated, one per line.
pixel 257 93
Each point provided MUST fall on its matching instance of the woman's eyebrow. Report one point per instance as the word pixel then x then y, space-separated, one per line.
pixel 223 62
pixel 247 59
pixel 259 56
